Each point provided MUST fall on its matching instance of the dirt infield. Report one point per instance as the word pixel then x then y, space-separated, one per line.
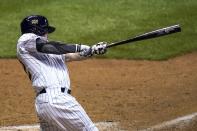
pixel 138 94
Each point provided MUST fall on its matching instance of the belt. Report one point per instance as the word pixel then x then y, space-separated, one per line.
pixel 62 90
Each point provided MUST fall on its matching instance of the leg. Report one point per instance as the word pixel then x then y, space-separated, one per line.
pixel 65 113
pixel 45 126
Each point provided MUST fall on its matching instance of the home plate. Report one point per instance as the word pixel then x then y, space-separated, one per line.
pixel 103 126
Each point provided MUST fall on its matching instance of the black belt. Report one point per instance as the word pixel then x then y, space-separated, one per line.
pixel 62 90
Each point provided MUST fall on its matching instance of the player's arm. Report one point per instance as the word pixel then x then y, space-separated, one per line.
pixel 74 57
pixel 53 47
pixel 72 52
pixel 86 52
pixel 30 43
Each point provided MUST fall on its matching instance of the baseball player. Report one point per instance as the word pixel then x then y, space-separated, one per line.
pixel 44 62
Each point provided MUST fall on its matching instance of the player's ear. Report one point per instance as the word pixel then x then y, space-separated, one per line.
pixel 45 35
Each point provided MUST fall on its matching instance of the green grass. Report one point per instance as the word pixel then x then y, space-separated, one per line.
pixel 91 21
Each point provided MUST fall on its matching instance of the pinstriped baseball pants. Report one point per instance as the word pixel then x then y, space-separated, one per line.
pixel 59 111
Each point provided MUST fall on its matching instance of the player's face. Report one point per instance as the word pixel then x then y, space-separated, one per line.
pixel 46 36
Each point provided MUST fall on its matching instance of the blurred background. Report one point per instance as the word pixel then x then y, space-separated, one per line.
pixel 91 21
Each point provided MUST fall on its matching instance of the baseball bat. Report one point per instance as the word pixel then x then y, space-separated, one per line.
pixel 149 35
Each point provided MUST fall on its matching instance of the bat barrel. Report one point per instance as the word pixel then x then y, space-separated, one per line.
pixel 149 35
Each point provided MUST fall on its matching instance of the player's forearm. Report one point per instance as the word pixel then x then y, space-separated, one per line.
pixel 74 57
pixel 54 47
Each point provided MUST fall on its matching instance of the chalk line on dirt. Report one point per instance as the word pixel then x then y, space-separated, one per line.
pixel 103 126
pixel 179 123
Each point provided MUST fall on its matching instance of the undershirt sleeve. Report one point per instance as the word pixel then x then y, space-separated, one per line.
pixel 54 47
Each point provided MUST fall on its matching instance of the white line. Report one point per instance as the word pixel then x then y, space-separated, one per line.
pixel 178 123
pixel 110 126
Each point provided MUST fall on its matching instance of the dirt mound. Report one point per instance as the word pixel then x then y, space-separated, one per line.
pixel 137 94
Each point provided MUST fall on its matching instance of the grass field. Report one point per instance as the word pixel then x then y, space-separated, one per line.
pixel 91 21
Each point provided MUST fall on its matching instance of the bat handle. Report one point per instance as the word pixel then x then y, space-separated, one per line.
pixel 110 45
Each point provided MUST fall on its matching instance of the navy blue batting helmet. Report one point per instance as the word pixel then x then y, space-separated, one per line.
pixel 36 24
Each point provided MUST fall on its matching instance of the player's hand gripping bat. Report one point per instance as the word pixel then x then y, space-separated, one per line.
pixel 149 35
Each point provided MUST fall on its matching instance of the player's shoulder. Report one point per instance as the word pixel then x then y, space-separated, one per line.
pixel 27 37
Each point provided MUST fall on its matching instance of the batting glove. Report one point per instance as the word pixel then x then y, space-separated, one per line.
pixel 85 51
pixel 99 48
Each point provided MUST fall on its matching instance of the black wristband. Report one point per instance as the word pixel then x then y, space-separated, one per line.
pixel 78 48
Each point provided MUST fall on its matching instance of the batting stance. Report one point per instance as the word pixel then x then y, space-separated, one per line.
pixel 44 62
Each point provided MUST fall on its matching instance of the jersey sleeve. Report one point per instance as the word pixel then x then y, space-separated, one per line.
pixel 27 43
pixel 56 47
pixel 33 43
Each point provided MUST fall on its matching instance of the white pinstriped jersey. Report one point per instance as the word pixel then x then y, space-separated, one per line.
pixel 57 110
pixel 45 70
